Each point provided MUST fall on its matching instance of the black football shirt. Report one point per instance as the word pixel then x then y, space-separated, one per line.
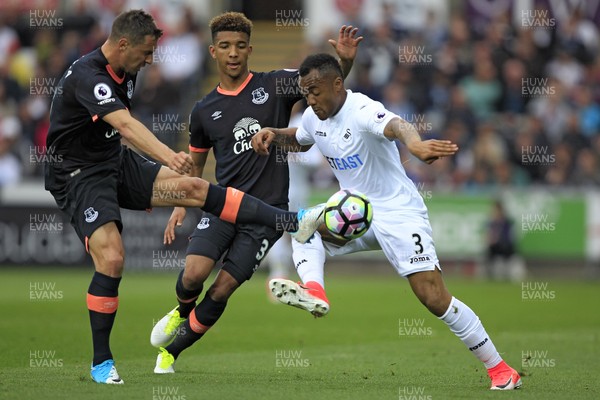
pixel 87 91
pixel 226 121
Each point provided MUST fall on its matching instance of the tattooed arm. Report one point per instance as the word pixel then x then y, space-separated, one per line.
pixel 281 137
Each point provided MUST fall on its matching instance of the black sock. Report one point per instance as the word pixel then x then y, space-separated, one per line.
pixel 255 211
pixel 102 313
pixel 219 201
pixel 206 313
pixel 186 298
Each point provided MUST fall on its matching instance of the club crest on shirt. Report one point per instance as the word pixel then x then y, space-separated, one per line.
pixel 347 135
pixel 129 89
pixel 102 91
pixel 380 116
pixel 259 96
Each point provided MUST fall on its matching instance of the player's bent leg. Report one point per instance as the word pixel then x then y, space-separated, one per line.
pixel 309 260
pixel 201 319
pixel 189 286
pixel 232 205
pixel 431 291
pixel 172 189
pixel 465 324
pixel 106 249
pixel 223 287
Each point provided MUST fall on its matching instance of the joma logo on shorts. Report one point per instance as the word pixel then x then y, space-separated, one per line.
pixel 478 345
pixel 417 259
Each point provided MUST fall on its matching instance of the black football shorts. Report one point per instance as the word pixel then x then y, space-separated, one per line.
pixel 242 246
pixel 93 196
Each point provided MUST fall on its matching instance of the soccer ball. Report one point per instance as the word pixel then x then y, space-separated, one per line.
pixel 348 214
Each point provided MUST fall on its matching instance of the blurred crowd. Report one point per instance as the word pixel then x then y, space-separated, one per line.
pixel 521 98
pixel 522 102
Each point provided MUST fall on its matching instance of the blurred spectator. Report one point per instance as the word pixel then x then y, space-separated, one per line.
pixel 588 111
pixel 482 89
pixel 513 100
pixel 9 42
pixel 180 57
pixel 502 261
pixel 489 148
pixel 552 110
pixel 394 99
pixel 10 166
pixel 566 69
pixel 587 169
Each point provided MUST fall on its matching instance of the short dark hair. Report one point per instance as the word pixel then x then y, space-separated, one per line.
pixel 230 22
pixel 322 62
pixel 135 25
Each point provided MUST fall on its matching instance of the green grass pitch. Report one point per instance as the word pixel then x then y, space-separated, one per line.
pixel 377 343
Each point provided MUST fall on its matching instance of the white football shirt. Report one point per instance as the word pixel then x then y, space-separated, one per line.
pixel 361 157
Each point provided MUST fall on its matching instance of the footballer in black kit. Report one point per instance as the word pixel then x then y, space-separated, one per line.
pixel 95 168
pixel 226 121
pixel 94 176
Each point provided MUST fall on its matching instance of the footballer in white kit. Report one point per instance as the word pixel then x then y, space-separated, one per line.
pixel 355 134
pixel 363 159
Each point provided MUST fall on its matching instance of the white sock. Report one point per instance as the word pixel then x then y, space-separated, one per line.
pixel 465 324
pixel 309 259
pixel 279 258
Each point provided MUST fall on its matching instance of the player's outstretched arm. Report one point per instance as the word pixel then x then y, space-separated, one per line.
pixel 139 136
pixel 427 151
pixel 346 47
pixel 281 137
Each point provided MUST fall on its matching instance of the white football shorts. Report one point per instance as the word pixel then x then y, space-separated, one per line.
pixel 406 241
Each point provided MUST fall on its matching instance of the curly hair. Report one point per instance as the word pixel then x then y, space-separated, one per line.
pixel 135 25
pixel 230 22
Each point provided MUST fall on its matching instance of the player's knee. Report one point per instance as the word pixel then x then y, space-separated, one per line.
pixel 111 263
pixel 195 273
pixel 436 300
pixel 221 291
pixel 197 187
pixel 192 279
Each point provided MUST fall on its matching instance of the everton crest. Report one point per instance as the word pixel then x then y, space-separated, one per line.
pixel 259 96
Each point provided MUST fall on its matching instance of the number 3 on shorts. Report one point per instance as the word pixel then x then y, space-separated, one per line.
pixel 263 249
pixel 417 239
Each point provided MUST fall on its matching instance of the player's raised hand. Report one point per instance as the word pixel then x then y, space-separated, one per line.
pixel 181 163
pixel 430 150
pixel 177 217
pixel 262 140
pixel 347 44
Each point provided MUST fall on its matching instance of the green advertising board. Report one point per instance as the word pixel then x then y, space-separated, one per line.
pixel 545 225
